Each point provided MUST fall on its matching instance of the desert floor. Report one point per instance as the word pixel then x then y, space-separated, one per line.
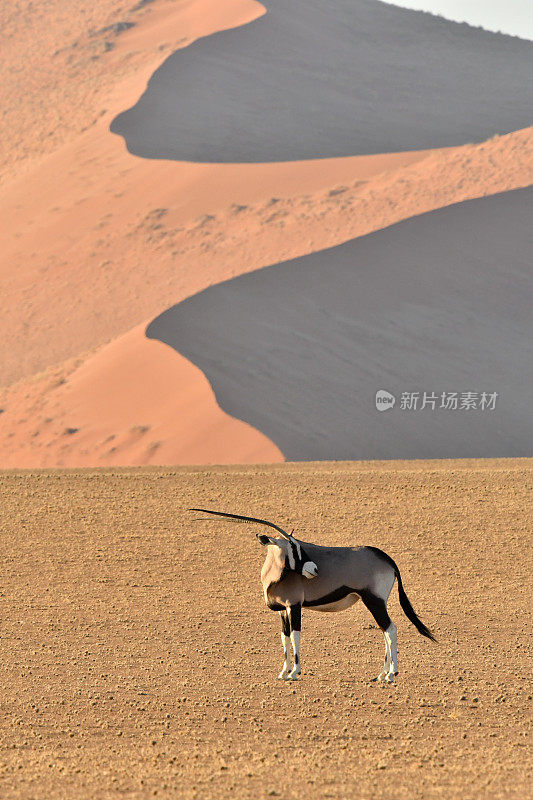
pixel 139 658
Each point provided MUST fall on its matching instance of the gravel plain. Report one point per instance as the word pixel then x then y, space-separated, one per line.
pixel 139 659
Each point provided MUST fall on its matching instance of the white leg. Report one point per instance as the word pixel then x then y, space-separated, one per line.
pixel 296 670
pixel 393 665
pixel 383 675
pixel 283 675
pixel 286 642
pixel 390 668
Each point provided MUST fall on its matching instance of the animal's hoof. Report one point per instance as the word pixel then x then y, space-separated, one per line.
pixel 283 676
pixel 293 676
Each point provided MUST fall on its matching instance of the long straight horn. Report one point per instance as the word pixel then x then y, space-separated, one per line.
pixel 242 518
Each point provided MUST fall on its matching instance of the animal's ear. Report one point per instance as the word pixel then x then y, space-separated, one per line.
pixel 263 538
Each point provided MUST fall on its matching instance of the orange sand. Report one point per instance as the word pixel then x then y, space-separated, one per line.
pixel 136 399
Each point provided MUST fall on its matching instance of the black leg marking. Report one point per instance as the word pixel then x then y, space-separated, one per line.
pixel 377 607
pixel 285 624
pixel 295 617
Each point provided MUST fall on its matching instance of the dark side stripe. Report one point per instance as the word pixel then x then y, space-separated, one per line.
pixel 332 597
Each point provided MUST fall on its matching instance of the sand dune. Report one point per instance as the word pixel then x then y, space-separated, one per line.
pixel 227 243
pixel 95 241
pixel 135 402
pixel 69 64
pixel 70 205
pixel 189 256
pixel 122 238
pixel 314 80
pixel 439 303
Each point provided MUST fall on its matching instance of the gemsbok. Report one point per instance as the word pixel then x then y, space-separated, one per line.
pixel 299 575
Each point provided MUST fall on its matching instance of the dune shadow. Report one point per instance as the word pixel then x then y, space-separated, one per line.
pixel 438 303
pixel 314 80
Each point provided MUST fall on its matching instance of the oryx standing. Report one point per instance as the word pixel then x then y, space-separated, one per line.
pixel 297 574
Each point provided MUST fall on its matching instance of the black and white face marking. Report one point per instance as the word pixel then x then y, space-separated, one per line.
pixel 302 563
pixel 296 559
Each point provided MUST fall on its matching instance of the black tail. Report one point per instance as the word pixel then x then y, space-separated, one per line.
pixel 405 603
pixel 409 611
